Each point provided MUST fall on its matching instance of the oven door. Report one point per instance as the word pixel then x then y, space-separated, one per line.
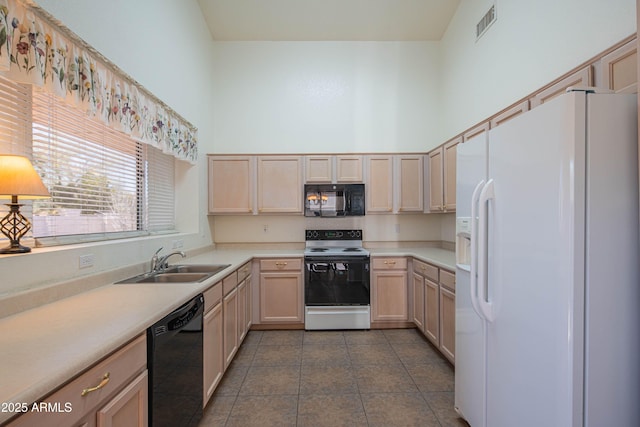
pixel 330 281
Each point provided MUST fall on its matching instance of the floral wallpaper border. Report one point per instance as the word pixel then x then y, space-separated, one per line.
pixel 42 52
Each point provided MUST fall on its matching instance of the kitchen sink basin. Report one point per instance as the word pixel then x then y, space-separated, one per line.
pixel 174 278
pixel 186 273
pixel 196 268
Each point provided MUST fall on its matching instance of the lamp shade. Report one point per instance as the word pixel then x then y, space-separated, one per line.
pixel 19 178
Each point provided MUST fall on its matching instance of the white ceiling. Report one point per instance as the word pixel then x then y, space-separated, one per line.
pixel 321 20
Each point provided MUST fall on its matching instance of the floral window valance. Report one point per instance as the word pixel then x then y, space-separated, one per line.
pixel 37 49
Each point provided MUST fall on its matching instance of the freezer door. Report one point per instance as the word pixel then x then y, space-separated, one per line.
pixel 534 271
pixel 470 373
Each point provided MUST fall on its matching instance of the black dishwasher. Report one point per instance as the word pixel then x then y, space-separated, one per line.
pixel 174 360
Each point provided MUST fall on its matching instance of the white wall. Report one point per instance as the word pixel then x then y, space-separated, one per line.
pixel 293 97
pixel 530 44
pixel 164 45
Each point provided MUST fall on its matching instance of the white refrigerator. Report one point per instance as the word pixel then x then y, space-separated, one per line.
pixel 547 277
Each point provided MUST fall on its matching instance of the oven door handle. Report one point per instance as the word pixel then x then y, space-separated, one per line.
pixel 314 267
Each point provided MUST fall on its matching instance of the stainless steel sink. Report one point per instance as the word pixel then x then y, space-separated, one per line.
pixel 196 268
pixel 174 278
pixel 186 273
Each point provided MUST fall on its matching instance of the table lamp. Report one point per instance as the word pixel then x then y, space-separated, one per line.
pixel 18 178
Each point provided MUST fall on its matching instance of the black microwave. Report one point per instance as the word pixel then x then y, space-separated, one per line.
pixel 333 200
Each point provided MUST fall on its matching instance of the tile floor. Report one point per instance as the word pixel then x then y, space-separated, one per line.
pixel 335 378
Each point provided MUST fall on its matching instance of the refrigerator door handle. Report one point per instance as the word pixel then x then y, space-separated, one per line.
pixel 486 195
pixel 474 248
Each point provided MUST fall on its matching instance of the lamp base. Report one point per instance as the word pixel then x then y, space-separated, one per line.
pixel 15 249
pixel 14 225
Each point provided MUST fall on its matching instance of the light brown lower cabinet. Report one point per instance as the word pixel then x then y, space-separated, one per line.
pixel 448 314
pixel 448 323
pixel 212 328
pixel 432 312
pixel 230 328
pixel 389 296
pixel 281 291
pixel 438 320
pixel 114 392
pixel 418 301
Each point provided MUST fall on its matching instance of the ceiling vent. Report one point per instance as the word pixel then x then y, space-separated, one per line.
pixel 486 21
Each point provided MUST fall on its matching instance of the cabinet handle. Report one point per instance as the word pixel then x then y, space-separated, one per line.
pixel 281 264
pixel 390 262
pixel 104 382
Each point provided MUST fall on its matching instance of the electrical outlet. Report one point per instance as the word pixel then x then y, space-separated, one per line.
pixel 265 228
pixel 86 261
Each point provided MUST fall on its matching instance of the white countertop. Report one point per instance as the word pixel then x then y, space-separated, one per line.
pixel 42 348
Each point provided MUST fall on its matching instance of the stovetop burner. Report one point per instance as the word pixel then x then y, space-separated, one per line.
pixel 334 243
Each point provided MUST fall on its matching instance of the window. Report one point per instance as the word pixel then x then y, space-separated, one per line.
pixel 103 183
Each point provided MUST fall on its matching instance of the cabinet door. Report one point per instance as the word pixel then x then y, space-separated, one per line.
pixel 449 190
pixel 418 301
pixel 436 166
pixel 280 184
pixel 410 184
pixel 380 184
pixel 249 305
pixel 213 358
pixel 349 168
pixel 242 311
pixel 129 408
pixel 389 296
pixel 230 185
pixel 281 297
pixel 230 319
pixel 582 77
pixel 620 69
pixel 318 169
pixel 432 312
pixel 447 323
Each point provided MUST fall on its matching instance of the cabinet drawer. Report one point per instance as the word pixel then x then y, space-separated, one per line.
pixel 280 264
pixel 244 271
pixel 397 263
pixel 229 283
pixel 427 270
pixel 212 296
pixel 448 280
pixel 112 374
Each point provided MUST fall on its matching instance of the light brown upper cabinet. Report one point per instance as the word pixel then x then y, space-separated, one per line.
pixel 279 184
pixel 436 180
pixel 410 183
pixel 442 177
pixel 582 77
pixel 449 185
pixel 510 113
pixel 231 184
pixel 318 169
pixel 395 183
pixel 333 168
pixel 380 184
pixel 348 168
pixel 619 69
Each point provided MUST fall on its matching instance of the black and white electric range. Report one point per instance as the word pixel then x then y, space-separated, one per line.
pixel 336 282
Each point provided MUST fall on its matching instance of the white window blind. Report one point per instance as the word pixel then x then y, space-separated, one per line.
pixel 103 183
pixel 15 130
pixel 160 209
pixel 15 118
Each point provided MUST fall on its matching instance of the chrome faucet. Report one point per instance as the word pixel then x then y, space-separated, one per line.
pixel 158 264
